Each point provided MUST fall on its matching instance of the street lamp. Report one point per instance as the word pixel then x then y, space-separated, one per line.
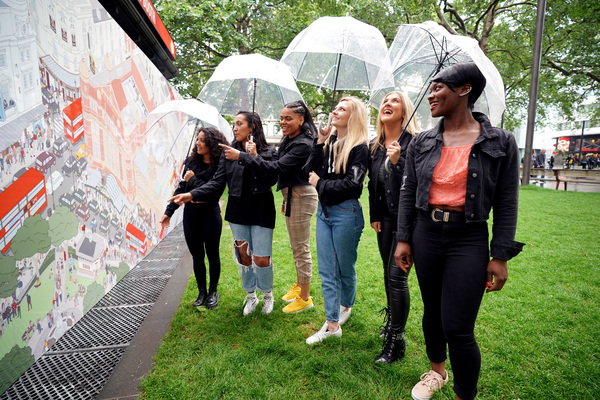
pixel 581 140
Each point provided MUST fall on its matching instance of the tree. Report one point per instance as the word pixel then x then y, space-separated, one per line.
pixel 8 276
pixel 12 365
pixel 93 294
pixel 62 225
pixel 32 238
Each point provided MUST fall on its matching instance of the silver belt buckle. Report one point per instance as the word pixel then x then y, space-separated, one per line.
pixel 445 218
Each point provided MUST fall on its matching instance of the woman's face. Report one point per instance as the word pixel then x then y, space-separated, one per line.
pixel 202 147
pixel 341 114
pixel 392 109
pixel 241 129
pixel 442 100
pixel 290 122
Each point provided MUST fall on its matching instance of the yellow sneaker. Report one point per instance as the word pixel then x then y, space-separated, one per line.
pixel 291 293
pixel 298 305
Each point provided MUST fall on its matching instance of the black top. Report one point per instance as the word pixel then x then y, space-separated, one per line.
pixel 202 174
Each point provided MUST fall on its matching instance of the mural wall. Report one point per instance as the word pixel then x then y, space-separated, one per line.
pixel 84 172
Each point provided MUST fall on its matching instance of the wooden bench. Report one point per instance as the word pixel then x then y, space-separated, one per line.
pixel 559 175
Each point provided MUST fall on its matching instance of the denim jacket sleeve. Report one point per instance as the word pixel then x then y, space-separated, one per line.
pixel 337 188
pixel 408 197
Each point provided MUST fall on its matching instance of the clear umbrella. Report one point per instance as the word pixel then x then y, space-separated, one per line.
pixel 421 50
pixel 250 82
pixel 338 53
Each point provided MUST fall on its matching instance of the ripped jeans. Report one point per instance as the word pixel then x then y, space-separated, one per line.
pixel 260 243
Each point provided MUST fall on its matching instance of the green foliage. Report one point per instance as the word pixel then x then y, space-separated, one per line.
pixel 31 238
pixel 93 294
pixel 538 336
pixel 63 225
pixel 205 32
pixel 12 365
pixel 121 270
pixel 8 277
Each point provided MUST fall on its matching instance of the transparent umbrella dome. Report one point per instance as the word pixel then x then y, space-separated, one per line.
pixel 250 82
pixel 313 54
pixel 414 56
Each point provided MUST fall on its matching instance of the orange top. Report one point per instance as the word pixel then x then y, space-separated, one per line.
pixel 449 180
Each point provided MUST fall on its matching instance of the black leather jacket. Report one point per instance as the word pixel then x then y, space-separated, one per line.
pixel 492 181
pixel 231 172
pixel 392 180
pixel 335 188
pixel 202 174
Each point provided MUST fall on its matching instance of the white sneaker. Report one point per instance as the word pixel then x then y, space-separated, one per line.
pixel 430 383
pixel 268 303
pixel 250 303
pixel 323 334
pixel 344 315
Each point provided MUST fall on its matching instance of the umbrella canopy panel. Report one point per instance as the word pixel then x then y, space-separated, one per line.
pixel 415 55
pixel 250 81
pixel 359 48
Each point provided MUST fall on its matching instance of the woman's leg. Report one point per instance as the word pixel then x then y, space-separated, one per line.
pixel 242 254
pixel 326 259
pixel 213 225
pixel 192 230
pixel 385 241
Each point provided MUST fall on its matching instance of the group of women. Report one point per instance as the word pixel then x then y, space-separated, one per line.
pixel 430 196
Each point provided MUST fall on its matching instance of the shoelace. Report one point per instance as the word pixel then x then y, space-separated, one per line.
pixel 432 381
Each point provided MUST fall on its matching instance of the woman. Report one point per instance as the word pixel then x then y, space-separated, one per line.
pixel 337 166
pixel 250 208
pixel 395 130
pixel 299 197
pixel 202 222
pixel 454 174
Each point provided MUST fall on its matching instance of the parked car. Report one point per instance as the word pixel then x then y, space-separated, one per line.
pixel 80 196
pixel 44 162
pixel 69 166
pixel 119 237
pixel 104 227
pixel 104 214
pixel 80 152
pixel 82 212
pixel 67 200
pixel 59 147
pixel 94 206
pixel 55 180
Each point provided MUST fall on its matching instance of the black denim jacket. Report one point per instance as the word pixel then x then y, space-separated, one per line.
pixel 231 172
pixel 202 174
pixel 492 182
pixel 392 180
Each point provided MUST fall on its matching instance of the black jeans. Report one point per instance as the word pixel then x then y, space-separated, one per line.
pixel 395 279
pixel 202 225
pixel 451 262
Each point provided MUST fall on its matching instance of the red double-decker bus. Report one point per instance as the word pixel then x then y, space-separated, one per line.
pixel 136 240
pixel 23 198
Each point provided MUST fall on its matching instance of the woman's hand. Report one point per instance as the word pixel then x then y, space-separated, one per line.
pixel 324 134
pixel 393 152
pixel 497 274
pixel 403 256
pixel 251 148
pixel 230 152
pixel 376 225
pixel 313 178
pixel 165 221
pixel 188 175
pixel 181 198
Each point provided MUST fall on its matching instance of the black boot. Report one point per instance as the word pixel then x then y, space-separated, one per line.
pixel 213 298
pixel 201 300
pixel 394 347
pixel 387 323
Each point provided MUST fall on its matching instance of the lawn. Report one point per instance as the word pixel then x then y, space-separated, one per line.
pixel 539 336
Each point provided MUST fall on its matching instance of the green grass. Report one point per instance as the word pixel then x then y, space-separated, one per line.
pixel 539 336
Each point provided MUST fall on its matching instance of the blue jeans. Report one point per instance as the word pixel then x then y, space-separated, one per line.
pixel 260 244
pixel 337 243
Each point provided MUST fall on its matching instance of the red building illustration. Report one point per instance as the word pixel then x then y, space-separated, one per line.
pixel 73 120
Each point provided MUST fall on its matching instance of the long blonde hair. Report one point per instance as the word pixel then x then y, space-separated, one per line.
pixel 357 134
pixel 411 126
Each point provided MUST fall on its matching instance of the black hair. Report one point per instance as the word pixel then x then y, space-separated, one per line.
pixel 258 134
pixel 212 137
pixel 308 126
pixel 460 74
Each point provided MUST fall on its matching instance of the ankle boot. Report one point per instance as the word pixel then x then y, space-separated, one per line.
pixel 394 347
pixel 201 298
pixel 213 298
pixel 387 322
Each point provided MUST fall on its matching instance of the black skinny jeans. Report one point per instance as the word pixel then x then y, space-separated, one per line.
pixel 395 279
pixel 202 225
pixel 451 263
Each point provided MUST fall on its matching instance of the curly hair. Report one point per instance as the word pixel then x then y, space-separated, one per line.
pixel 212 137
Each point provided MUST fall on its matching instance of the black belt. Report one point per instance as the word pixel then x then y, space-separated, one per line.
pixel 439 215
